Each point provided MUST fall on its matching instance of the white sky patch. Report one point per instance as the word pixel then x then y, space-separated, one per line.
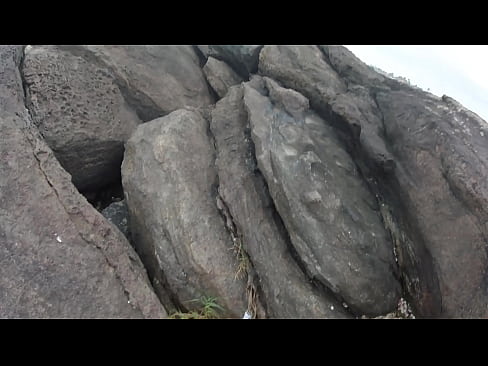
pixel 460 72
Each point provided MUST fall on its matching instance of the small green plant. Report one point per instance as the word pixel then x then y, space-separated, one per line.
pixel 208 310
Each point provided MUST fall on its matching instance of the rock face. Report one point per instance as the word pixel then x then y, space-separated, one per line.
pixel 330 215
pixel 442 150
pixel 155 80
pixel 423 157
pixel 169 180
pixel 314 187
pixel 60 258
pixel 243 59
pixel 220 76
pixel 286 290
pixel 80 112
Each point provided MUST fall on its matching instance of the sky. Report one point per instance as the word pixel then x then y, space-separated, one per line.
pixel 460 72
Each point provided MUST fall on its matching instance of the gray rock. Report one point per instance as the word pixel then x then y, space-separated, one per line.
pixel 80 112
pixel 11 90
pixel 118 215
pixel 242 58
pixel 220 76
pixel 155 80
pixel 287 292
pixel 442 150
pixel 348 107
pixel 302 68
pixel 169 180
pixel 59 257
pixel 350 67
pixel 431 155
pixel 325 205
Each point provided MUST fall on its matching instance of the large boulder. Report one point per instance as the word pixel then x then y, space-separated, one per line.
pixel 170 180
pixel 155 80
pixel 80 112
pixel 220 76
pixel 331 216
pixel 423 157
pixel 59 257
pixel 442 150
pixel 286 290
pixel 435 192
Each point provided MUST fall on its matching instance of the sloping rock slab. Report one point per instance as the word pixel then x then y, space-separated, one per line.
pixel 220 76
pixel 287 292
pixel 169 180
pixel 331 216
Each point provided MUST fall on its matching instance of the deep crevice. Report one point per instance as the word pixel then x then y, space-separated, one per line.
pixel 386 190
pixel 101 197
pixel 202 59
pixel 233 228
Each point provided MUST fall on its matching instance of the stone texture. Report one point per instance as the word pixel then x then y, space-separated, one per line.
pixel 424 158
pixel 169 180
pixel 443 152
pixel 286 291
pixel 319 188
pixel 118 215
pixel 59 257
pixel 304 69
pixel 329 213
pixel 155 80
pixel 242 58
pixel 220 76
pixel 80 112
pixel 351 68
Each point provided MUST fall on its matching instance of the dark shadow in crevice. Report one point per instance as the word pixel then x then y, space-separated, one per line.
pixel 202 59
pixel 102 197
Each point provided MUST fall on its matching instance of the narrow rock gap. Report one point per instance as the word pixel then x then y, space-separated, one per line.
pixel 202 59
pixel 370 174
pixel 103 196
pixel 375 180
pixel 213 94
pixel 25 89
pixel 256 304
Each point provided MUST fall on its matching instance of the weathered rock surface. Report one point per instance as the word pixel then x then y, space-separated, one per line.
pixel 318 188
pixel 348 107
pixel 331 217
pixel 424 158
pixel 286 290
pixel 80 112
pixel 169 180
pixel 242 58
pixel 59 257
pixel 155 80
pixel 443 152
pixel 348 66
pixel 118 215
pixel 220 76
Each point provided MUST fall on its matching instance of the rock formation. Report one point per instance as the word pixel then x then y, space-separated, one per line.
pixel 260 181
pixel 59 256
